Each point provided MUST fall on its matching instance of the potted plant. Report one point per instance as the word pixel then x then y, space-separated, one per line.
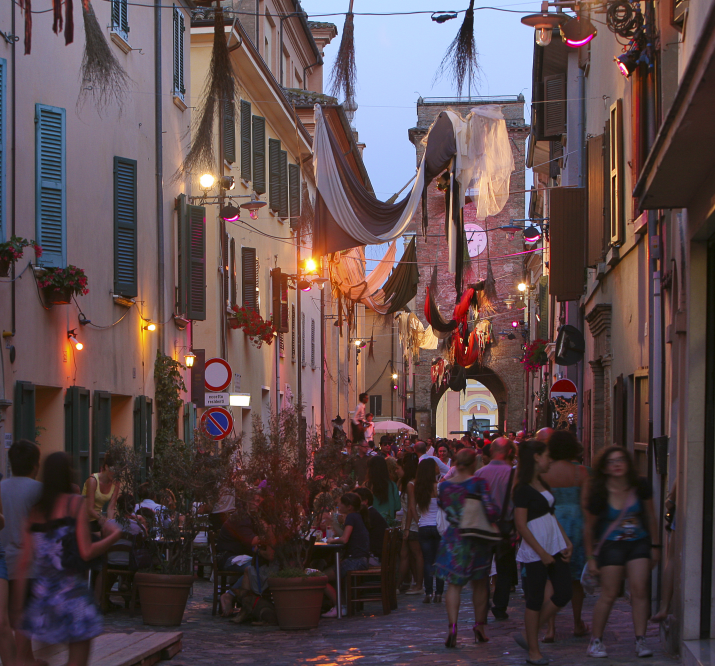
pixel 185 477
pixel 257 329
pixel 12 250
pixel 275 465
pixel 535 355
pixel 59 285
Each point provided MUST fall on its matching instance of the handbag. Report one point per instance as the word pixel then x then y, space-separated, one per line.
pixel 474 523
pixel 442 522
pixel 589 581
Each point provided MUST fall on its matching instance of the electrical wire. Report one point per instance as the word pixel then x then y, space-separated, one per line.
pixel 89 323
pixel 18 276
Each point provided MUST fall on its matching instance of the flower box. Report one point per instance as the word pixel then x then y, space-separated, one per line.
pixel 57 296
pixel 59 285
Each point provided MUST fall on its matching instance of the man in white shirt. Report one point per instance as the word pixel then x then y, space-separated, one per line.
pixel 421 451
pixel 358 419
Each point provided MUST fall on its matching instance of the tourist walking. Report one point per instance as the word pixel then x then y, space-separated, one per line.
pixel 59 607
pixel 464 559
pixel 568 479
pixel 545 548
pixel 386 497
pixel 621 539
pixel 411 560
pixel 423 504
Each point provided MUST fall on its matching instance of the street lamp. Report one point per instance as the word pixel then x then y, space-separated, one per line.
pixel 189 359
pixel 522 287
pixel 253 205
pixel 207 182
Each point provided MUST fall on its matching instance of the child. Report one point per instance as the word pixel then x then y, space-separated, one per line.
pixel 545 549
pixel 357 539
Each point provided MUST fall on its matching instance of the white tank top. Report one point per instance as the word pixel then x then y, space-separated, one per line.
pixel 429 517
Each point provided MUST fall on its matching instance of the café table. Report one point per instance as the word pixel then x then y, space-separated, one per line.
pixel 323 549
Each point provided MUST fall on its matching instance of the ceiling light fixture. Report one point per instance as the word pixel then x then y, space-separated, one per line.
pixel 227 183
pixel 304 285
pixel 149 327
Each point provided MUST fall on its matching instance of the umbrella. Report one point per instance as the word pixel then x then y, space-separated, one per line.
pixel 393 426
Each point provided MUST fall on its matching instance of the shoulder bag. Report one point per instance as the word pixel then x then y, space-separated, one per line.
pixel 474 523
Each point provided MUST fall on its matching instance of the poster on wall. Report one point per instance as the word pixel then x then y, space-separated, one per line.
pixel 563 404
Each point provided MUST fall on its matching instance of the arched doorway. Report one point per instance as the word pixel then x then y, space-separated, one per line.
pixel 459 412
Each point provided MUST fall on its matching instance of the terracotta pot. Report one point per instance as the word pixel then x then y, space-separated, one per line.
pixel 163 598
pixel 54 297
pixel 298 600
pixel 4 268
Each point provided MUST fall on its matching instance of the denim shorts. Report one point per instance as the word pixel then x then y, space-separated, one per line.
pixel 619 553
pixel 3 566
pixel 352 564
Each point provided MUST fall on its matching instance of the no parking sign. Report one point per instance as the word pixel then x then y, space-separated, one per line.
pixel 217 422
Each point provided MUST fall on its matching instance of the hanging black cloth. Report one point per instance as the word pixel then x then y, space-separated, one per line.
pixel 403 281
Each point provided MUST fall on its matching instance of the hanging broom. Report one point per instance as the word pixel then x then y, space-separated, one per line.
pixel 220 88
pixel 461 58
pixel 103 78
pixel 344 75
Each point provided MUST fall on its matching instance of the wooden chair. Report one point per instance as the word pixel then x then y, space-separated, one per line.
pixel 220 577
pixel 373 584
pixel 110 571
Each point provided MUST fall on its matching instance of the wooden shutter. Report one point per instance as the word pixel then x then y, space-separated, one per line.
pixel 274 174
pixel 229 131
pixel 189 421
pixel 596 200
pixel 192 260
pixel 248 278
pixel 618 412
pixel 292 332
pixel 283 187
pixel 554 105
pixel 294 191
pixel 543 327
pixel 312 343
pixel 225 266
pixel 259 155
pixel 51 184
pixel 77 440
pixel 101 426
pixel 3 113
pixel 302 339
pixel 178 44
pixel 125 227
pixel 23 412
pixel 233 277
pixel 279 287
pixel 615 156
pixel 142 432
pixel 567 263
pixel 245 140
pixel 556 152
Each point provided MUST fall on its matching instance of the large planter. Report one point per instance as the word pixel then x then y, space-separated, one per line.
pixel 57 296
pixel 298 601
pixel 4 268
pixel 163 598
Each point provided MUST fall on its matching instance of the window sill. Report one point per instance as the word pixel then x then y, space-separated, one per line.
pixel 121 40
pixel 179 100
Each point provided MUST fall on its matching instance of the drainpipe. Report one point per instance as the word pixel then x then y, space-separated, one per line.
pixel 322 367
pixel 298 320
pixel 159 158
pixel 13 159
pixel 582 183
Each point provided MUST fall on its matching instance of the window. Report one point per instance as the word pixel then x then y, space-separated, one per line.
pixel 245 140
pixel 283 185
pixel 274 175
pixel 120 23
pixel 3 96
pixel 555 105
pixel 249 278
pixel 376 405
pixel 615 156
pixel 259 155
pixel 142 431
pixel 77 428
pixel 178 43
pixel 312 343
pixel 125 227
pixel 292 333
pixel 279 287
pixel 302 339
pixel 51 184
pixel 294 191
pixel 229 132
pixel 101 426
pixel 192 260
pixel 597 192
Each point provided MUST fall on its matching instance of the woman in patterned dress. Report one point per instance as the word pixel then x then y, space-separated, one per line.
pixel 461 560
pixel 59 607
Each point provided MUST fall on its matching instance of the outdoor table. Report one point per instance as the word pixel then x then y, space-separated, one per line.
pixel 326 548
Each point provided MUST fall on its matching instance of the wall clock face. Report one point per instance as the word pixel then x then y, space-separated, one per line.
pixel 476 239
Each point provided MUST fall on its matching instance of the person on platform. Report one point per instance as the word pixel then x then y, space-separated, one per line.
pixel 369 428
pixel 359 421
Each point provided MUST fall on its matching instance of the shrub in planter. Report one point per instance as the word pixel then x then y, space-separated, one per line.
pixel 12 250
pixel 535 355
pixel 60 284
pixel 298 597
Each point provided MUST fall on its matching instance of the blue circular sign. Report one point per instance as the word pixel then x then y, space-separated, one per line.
pixel 217 422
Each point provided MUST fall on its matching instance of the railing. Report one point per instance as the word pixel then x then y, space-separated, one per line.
pixel 473 99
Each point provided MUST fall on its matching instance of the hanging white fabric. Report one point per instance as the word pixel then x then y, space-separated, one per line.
pixel 327 179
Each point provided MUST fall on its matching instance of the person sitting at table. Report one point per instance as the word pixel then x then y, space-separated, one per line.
pixel 377 527
pixel 356 537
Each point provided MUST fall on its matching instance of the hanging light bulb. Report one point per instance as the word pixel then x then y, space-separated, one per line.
pixel 543 36
pixel 73 339
pixel 522 286
pixel 149 327
pixel 310 265
pixel 394 375
pixel 207 181
pixel 544 24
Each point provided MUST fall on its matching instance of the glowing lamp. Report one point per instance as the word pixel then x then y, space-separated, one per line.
pixel 394 375
pixel 311 266
pixel 149 327
pixel 515 324
pixel 189 359
pixel 73 339
pixel 577 32
pixel 252 206
pixel 207 181
pixel 628 62
pixel 522 286
pixel 230 213
pixel 304 285
pixel 531 234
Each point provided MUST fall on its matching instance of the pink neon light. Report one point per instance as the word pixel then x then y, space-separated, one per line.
pixel 623 69
pixel 582 42
pixel 532 239
pixel 232 219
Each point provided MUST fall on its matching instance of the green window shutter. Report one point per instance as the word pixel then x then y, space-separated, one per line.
pixel 274 174
pixel 232 274
pixel 142 432
pixel 24 426
pixel 178 48
pixel 3 105
pixel 229 131
pixel 77 429
pixel 283 185
pixel 125 227
pixel 248 277
pixel 192 260
pixel 51 184
pixel 543 303
pixel 294 191
pixel 101 426
pixel 245 140
pixel 259 155
pixel 189 421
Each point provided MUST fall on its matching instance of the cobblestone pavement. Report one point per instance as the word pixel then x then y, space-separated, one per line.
pixel 413 634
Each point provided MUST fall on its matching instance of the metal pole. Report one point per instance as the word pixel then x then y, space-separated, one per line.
pixel 323 420
pixel 158 157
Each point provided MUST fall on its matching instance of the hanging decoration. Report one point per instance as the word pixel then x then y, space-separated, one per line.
pixel 371 348
pixel 401 286
pixel 344 74
pixel 220 89
pixel 461 58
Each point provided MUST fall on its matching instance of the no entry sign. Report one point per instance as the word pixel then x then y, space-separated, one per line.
pixel 217 422
pixel 563 388
pixel 218 374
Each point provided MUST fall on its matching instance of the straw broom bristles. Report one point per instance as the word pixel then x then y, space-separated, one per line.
pixel 344 74
pixel 461 58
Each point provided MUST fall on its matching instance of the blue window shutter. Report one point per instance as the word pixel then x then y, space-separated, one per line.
pixel 125 227
pixel 3 170
pixel 51 184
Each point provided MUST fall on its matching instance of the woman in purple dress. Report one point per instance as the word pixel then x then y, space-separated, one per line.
pixel 461 560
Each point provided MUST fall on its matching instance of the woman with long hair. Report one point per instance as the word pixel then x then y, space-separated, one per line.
pixel 59 608
pixel 545 548
pixel 411 560
pixel 384 490
pixel 463 560
pixel 101 488
pixel 568 480
pixel 423 504
pixel 621 538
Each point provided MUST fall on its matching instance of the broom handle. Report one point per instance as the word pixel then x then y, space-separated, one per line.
pixel 350 10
